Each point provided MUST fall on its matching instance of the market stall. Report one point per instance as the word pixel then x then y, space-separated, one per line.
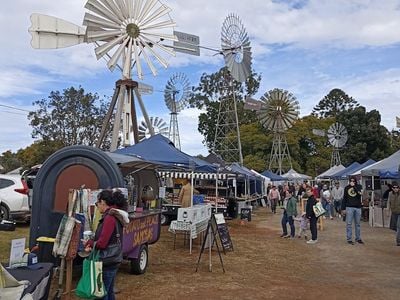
pixel 83 171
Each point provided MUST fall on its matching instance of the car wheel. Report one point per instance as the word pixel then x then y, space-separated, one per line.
pixel 164 219
pixel 4 212
pixel 139 265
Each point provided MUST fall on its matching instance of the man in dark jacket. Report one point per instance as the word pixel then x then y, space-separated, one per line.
pixel 351 207
pixel 394 204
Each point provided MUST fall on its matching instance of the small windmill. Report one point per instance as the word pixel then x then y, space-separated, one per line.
pixel 124 32
pixel 159 127
pixel 176 94
pixel 277 111
pixel 237 55
pixel 337 137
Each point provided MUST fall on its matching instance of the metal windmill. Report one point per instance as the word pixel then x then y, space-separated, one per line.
pixel 176 93
pixel 337 137
pixel 159 127
pixel 237 54
pixel 124 32
pixel 278 111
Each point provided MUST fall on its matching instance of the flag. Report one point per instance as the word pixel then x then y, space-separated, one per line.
pixel 397 122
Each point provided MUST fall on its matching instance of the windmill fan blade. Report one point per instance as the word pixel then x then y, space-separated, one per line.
pixel 128 61
pixel 102 35
pixel 176 92
pixel 116 56
pixel 113 8
pixel 278 112
pixel 92 20
pixel 52 33
pixel 103 49
pixel 96 7
pixel 337 135
pixel 233 41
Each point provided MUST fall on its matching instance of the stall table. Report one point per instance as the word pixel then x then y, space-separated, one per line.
pixel 40 279
pixel 188 229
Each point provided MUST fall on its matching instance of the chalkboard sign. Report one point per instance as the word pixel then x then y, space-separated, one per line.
pixel 245 214
pixel 219 224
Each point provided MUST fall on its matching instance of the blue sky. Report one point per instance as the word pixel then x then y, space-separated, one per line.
pixel 306 47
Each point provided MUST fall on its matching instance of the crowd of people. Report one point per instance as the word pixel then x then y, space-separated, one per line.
pixel 344 203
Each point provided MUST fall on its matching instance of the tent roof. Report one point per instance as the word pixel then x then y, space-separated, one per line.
pixel 235 167
pixel 331 171
pixel 213 158
pixel 390 163
pixel 272 176
pixel 132 161
pixel 260 175
pixel 161 150
pixel 292 174
pixel 357 171
pixel 348 170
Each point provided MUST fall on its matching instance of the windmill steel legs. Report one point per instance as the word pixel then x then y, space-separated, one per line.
pixel 124 99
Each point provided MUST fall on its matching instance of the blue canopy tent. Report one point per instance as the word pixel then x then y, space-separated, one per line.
pixel 368 163
pixel 389 163
pixel 342 174
pixel 161 150
pixel 244 175
pixel 272 176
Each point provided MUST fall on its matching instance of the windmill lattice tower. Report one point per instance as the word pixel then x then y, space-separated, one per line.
pixel 176 93
pixel 278 113
pixel 237 55
pixel 124 32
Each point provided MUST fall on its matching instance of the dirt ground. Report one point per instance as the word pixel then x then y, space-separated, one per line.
pixel 265 266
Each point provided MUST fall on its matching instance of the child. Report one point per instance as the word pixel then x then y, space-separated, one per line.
pixel 303 225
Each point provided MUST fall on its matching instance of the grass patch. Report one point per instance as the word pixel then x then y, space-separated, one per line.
pixel 21 231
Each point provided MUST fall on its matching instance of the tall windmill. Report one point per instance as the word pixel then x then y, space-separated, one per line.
pixel 337 137
pixel 124 32
pixel 278 111
pixel 176 94
pixel 237 55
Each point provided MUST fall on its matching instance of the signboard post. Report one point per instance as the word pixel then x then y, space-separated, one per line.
pixel 17 252
pixel 245 214
pixel 187 43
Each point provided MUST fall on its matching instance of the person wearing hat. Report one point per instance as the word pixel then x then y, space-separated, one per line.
pixel 351 207
pixel 394 204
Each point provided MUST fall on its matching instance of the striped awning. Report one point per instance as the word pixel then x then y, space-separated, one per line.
pixel 196 175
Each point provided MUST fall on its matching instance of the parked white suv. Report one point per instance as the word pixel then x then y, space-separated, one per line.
pixel 14 202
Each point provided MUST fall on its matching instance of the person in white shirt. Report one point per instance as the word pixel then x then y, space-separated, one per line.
pixel 337 196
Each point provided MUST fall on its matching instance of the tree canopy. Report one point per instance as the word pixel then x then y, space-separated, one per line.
pixel 212 89
pixel 334 103
pixel 72 117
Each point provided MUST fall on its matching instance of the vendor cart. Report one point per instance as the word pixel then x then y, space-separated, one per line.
pixel 77 167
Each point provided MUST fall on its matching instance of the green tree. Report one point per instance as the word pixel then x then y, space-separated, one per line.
pixel 395 140
pixel 367 138
pixel 37 153
pixel 256 144
pixel 333 103
pixel 310 153
pixel 9 161
pixel 211 90
pixel 72 117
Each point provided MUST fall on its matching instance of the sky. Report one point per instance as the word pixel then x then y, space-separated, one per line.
pixel 307 47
